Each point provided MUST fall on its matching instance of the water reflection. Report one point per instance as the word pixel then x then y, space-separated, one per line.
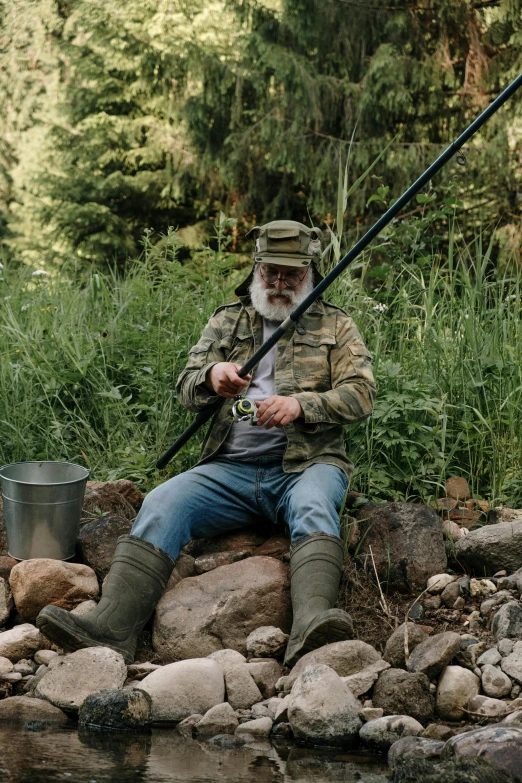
pixel 63 754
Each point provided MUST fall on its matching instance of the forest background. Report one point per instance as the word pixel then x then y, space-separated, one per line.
pixel 140 141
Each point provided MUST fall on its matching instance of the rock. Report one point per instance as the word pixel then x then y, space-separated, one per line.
pixel 84 608
pixel 281 712
pixel 11 677
pixel 512 665
pixel 227 542
pixel 491 548
pixel 506 514
pixel 380 734
pixel 432 602
pixel 22 641
pixel 97 541
pixel 361 682
pixel 266 642
pixel 404 693
pixel 219 609
pixel 494 682
pixel 25 667
pixel 260 711
pixel 24 708
pixel 81 674
pixel 104 499
pixel 183 568
pixel 500 744
pixel 481 587
pixel 406 541
pixel 220 719
pixel 434 653
pixel 275 546
pixel 437 731
pixel 455 688
pixel 227 659
pixel 490 708
pixel 507 622
pixel 6 600
pixel 44 657
pixel 465 517
pixel 242 692
pixel 256 728
pixel 413 747
pixel 458 770
pixel 437 583
pixel 116 709
pixel 321 709
pixel 265 674
pixel 457 488
pixel 451 530
pixel 512 718
pixel 394 651
pixel 187 726
pixel 515 691
pixel 505 647
pixel 184 688
pixel 227 742
pixel 370 713
pixel 207 562
pixel 344 658
pixel 42 581
pixel 451 594
pixel 469 656
pixel 5 666
pixel 497 600
pixel 6 563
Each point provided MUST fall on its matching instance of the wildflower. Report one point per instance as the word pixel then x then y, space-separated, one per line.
pixel 39 273
pixel 380 307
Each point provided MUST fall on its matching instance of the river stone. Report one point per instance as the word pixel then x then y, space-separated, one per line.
pixel 407 543
pixel 184 688
pixel 494 682
pixel 42 581
pixel 492 548
pixel 361 682
pixel 500 744
pixel 281 711
pixel 345 658
pixel 455 770
pixel 507 622
pixel 437 583
pixel 491 656
pixel 490 708
pixel 187 727
pixel 242 691
pixel 22 641
pixel 116 709
pixel 413 747
pixel 266 642
pixel 456 687
pixel 321 708
pixel 266 673
pixel 512 718
pixel 24 708
pixel 6 600
pixel 219 609
pixel 261 727
pixel 80 674
pixel 220 719
pixel 5 665
pixel 457 487
pixel 404 693
pixel 97 541
pixel 380 734
pixel 512 665
pixel 434 653
pixel 227 659
pixel 394 650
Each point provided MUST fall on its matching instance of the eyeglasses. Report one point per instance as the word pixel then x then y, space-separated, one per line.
pixel 271 276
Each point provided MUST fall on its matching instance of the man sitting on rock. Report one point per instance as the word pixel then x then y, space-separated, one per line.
pixel 290 468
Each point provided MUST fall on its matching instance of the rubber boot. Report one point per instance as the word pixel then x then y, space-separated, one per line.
pixel 316 563
pixel 138 576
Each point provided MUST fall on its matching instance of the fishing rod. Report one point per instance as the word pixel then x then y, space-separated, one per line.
pixel 454 148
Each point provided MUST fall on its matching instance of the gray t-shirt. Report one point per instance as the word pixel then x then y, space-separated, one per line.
pixel 245 442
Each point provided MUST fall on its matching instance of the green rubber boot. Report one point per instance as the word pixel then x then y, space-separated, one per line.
pixel 316 564
pixel 138 576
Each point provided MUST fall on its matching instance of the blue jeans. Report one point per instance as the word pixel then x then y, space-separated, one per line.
pixel 223 495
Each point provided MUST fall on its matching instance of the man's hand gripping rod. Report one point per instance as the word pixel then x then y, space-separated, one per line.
pixel 448 153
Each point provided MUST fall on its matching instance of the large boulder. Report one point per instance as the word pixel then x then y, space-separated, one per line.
pixel 501 745
pixel 184 688
pixel 219 609
pixel 80 674
pixel 404 693
pixel 42 581
pixel 127 710
pixel 321 708
pixel 406 542
pixel 20 709
pixel 97 542
pixel 492 548
pixel 380 734
pixel 345 658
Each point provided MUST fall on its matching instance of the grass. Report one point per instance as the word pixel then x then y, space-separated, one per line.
pixel 88 368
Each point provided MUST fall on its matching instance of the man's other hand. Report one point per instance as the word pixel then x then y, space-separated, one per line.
pixel 280 410
pixel 223 379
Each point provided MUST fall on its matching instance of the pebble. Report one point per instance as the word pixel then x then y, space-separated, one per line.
pixel 437 583
pixel 256 728
pixel 44 656
pixel 505 646
pixel 507 622
pixel 495 682
pixel 455 688
pixel 380 734
pixel 491 656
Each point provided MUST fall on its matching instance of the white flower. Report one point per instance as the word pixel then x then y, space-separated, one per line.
pixel 1 265
pixel 380 307
pixel 39 273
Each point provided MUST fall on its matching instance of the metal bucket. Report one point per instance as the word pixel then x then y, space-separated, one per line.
pixel 42 508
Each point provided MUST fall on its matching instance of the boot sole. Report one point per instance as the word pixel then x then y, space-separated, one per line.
pixel 65 639
pixel 326 632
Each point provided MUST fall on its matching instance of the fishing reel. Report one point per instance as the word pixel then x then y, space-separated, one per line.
pixel 243 409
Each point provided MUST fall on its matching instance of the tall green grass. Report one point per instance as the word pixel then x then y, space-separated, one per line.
pixel 87 369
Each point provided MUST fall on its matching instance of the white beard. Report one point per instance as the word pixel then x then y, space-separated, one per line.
pixel 277 305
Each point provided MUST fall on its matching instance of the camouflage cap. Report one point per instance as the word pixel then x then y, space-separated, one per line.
pixel 286 242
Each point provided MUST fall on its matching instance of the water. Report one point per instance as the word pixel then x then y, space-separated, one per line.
pixel 163 756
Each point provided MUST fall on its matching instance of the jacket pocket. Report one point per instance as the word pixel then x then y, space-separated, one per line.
pixel 312 358
pixel 238 348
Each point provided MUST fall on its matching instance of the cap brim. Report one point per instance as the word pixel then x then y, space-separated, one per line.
pixel 290 260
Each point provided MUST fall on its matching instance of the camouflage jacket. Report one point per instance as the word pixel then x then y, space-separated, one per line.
pixel 323 363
